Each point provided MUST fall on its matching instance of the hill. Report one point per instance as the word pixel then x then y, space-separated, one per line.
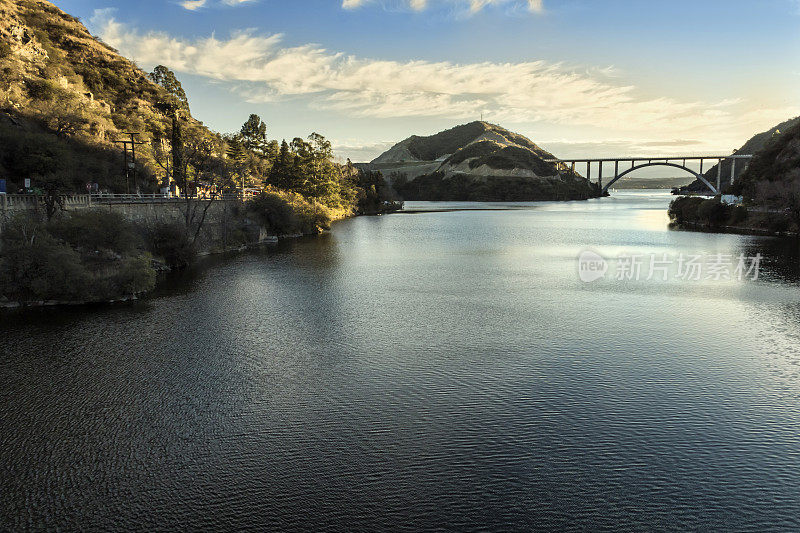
pixel 477 161
pixel 752 146
pixel 67 96
pixel 770 186
pixel 777 164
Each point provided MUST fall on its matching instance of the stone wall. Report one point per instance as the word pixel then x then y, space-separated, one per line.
pixel 226 224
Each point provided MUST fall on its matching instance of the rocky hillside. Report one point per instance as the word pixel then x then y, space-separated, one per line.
pixel 778 162
pixel 67 96
pixel 754 145
pixel 477 161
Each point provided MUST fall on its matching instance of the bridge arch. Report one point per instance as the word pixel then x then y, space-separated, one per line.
pixel 663 164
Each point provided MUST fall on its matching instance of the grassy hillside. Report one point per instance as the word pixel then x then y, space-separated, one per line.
pixel 65 97
pixel 478 161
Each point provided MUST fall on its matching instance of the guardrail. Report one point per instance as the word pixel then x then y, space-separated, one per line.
pixel 31 201
pixel 9 202
pixel 102 198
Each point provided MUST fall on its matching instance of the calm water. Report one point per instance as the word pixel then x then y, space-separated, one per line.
pixel 437 370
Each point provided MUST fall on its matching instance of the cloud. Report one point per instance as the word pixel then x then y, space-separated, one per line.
pixel 261 69
pixel 193 5
pixel 472 6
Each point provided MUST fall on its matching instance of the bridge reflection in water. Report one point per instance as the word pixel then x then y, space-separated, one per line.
pixel 636 163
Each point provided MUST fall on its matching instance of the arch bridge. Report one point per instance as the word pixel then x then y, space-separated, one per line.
pixel 621 168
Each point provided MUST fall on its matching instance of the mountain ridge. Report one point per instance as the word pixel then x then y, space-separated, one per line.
pixel 478 161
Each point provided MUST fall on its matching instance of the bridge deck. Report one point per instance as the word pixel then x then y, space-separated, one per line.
pixel 638 162
pixel 647 158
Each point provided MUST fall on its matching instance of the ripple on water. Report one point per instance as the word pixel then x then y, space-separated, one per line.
pixel 431 371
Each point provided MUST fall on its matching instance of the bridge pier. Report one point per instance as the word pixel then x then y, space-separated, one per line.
pixel 600 175
pixel 637 163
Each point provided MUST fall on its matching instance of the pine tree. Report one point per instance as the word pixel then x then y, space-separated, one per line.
pixel 254 135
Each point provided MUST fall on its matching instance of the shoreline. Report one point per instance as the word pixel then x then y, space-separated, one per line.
pixel 161 271
pixel 13 305
pixel 732 230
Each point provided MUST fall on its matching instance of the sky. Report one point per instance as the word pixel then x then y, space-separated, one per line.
pixel 581 78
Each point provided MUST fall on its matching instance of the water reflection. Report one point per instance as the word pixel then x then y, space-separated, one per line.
pixel 446 368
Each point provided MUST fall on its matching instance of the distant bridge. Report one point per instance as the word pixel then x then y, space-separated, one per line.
pixel 568 165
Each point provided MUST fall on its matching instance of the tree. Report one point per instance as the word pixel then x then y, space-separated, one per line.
pixel 781 195
pixel 280 174
pixel 171 105
pixel 237 157
pixel 254 135
pixel 196 156
pixel 66 116
pixel 164 77
pixel 53 187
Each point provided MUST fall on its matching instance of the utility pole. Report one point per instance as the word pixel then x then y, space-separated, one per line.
pixel 130 161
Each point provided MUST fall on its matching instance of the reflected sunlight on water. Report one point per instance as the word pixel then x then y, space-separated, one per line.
pixel 442 369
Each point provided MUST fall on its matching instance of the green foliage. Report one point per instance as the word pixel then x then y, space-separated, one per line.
pixel 462 187
pixel 706 212
pixel 38 154
pixel 738 215
pixel 511 157
pixel 40 89
pixel 90 230
pixel 275 213
pixel 450 141
pixel 135 275
pixel 171 242
pixel 254 134
pixel 713 213
pixel 287 213
pixel 479 149
pixel 778 161
pixel 164 77
pixel 307 167
pixel 84 256
pixel 35 266
pixel 445 142
pixel 375 195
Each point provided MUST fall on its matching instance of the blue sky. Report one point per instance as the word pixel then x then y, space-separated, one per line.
pixel 579 77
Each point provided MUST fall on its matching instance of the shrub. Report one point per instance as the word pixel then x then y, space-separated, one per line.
pixel 136 275
pixel 684 209
pixel 170 241
pixel 313 218
pixel 738 215
pixel 712 212
pixel 34 266
pixel 97 229
pixel 39 89
pixel 5 50
pixel 284 213
pixel 274 213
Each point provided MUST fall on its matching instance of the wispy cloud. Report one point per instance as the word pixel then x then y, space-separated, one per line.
pixel 193 5
pixel 471 6
pixel 261 69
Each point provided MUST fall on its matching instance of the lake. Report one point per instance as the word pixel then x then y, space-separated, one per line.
pixel 445 368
